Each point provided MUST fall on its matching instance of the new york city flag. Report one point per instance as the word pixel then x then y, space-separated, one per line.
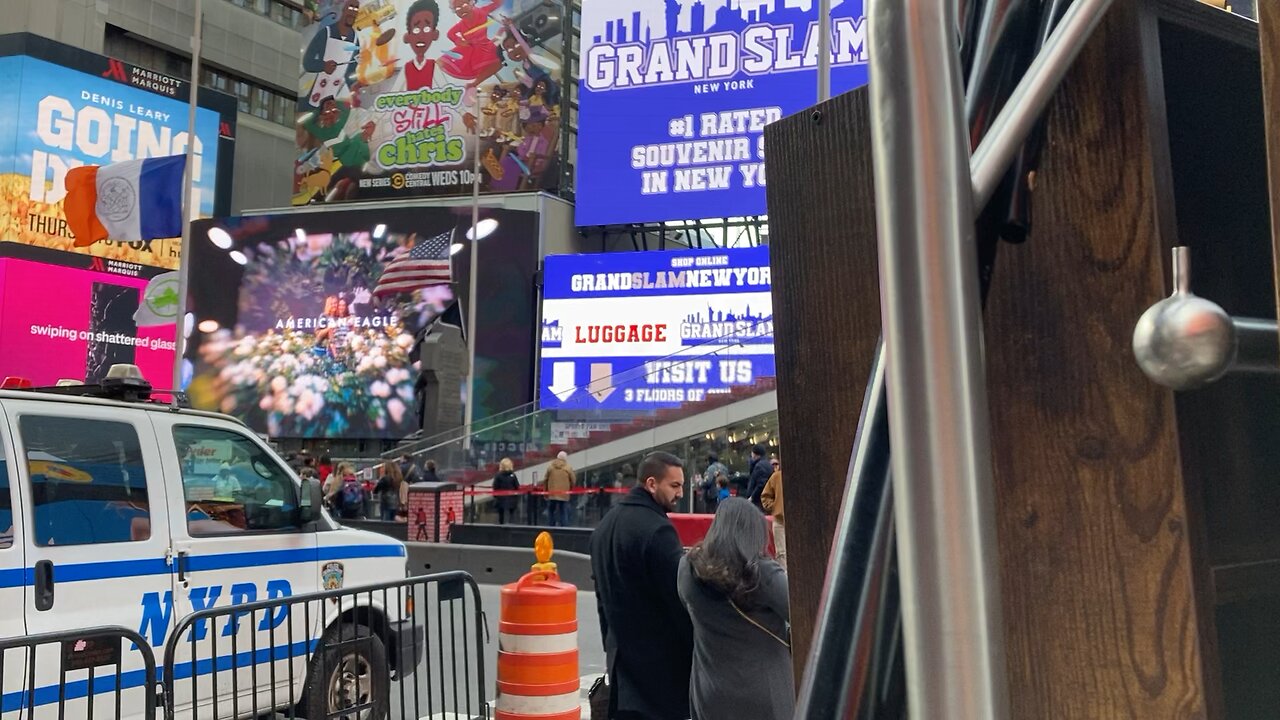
pixel 132 200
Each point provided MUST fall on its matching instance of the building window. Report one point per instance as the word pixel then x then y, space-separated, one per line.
pixel 261 103
pixel 251 97
pixel 283 12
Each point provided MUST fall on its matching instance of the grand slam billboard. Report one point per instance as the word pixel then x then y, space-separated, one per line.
pixel 650 330
pixel 675 96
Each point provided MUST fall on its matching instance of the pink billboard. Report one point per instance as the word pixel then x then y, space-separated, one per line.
pixel 59 322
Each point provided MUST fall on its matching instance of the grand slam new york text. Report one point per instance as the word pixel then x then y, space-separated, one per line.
pixel 758 50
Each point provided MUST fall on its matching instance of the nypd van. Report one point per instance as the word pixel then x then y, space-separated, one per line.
pixel 120 510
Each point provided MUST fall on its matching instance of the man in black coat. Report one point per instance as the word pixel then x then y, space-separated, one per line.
pixel 760 470
pixel 635 557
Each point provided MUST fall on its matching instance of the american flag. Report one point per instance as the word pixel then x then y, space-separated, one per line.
pixel 425 265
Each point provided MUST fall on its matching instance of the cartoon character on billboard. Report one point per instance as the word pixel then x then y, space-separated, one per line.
pixel 523 167
pixel 332 56
pixel 351 153
pixel 377 61
pixel 517 50
pixel 420 32
pixel 323 126
pixel 331 169
pixel 474 55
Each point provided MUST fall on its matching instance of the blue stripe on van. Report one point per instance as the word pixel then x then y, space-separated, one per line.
pixel 344 552
pixel 19 577
pixel 76 689
pixel 13 577
pixel 108 570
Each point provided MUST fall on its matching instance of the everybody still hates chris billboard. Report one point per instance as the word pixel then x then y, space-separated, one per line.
pixel 648 330
pixel 675 95
pixel 395 96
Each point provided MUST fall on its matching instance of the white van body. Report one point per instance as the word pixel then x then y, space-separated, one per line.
pixel 136 514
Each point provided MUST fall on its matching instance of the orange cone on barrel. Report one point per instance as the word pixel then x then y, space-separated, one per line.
pixel 538 644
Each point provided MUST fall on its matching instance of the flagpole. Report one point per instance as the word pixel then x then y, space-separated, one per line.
pixel 473 282
pixel 188 186
pixel 824 50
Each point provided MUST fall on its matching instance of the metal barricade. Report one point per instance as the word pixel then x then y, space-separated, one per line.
pixel 94 673
pixel 406 649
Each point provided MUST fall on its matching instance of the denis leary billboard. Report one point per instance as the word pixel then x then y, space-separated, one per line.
pixel 648 330
pixel 68 108
pixel 675 95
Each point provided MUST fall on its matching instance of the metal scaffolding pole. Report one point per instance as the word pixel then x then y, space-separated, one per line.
pixel 938 415
pixel 835 675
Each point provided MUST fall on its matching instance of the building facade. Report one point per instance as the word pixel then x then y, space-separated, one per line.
pixel 157 34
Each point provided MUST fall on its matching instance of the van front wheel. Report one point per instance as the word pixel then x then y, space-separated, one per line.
pixel 348 670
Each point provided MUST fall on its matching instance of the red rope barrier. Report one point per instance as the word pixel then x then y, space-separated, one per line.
pixel 543 491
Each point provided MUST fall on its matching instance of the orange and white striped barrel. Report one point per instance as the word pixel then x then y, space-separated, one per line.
pixel 538 647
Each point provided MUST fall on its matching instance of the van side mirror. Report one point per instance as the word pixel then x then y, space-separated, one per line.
pixel 312 501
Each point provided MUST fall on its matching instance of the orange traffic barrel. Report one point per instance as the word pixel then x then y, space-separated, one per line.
pixel 538 644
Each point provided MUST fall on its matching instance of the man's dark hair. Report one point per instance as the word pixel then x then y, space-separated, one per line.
pixel 431 465
pixel 758 450
pixel 324 460
pixel 430 6
pixel 713 458
pixel 656 464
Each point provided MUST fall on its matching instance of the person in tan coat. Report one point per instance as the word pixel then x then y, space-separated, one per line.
pixel 771 501
pixel 560 480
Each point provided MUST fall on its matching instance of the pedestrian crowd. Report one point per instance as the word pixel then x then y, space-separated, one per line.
pixel 702 635
pixel 380 495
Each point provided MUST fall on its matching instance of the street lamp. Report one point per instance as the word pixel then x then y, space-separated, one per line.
pixel 479 230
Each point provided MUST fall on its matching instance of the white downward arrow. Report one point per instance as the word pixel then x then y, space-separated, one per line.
pixel 563 380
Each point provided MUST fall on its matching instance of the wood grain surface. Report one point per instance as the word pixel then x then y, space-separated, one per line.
pixel 1269 31
pixel 826 301
pixel 1094 549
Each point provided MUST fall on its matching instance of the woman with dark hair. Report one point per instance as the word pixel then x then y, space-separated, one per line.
pixel 388 490
pixel 737 599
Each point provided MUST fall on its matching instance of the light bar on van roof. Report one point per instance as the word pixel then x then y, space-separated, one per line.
pixel 124 371
pixel 13 382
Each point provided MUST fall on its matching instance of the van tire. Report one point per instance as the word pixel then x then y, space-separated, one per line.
pixel 340 677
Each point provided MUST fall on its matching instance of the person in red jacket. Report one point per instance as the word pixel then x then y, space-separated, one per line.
pixel 325 468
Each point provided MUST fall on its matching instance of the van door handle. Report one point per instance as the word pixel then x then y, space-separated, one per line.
pixel 44 585
pixel 182 566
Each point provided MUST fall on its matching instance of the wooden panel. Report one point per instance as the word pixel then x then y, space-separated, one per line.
pixel 1094 550
pixel 1216 141
pixel 826 300
pixel 1269 29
